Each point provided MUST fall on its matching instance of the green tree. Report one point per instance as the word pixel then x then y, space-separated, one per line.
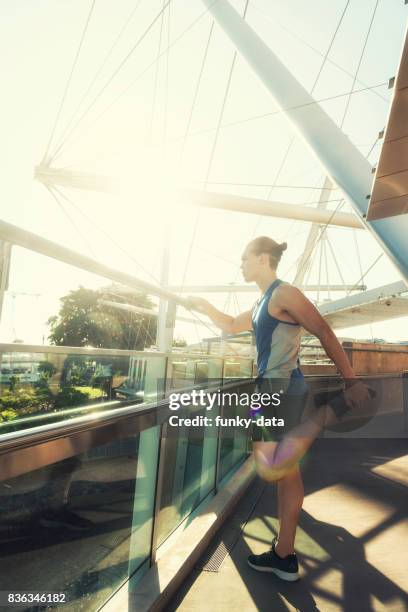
pixel 84 321
pixel 179 342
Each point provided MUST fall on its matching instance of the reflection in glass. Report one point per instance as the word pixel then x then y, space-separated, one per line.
pixel 39 388
pixel 189 458
pixel 78 526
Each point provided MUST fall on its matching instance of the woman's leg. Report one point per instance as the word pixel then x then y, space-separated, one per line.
pixel 290 493
pixel 275 460
pixel 290 500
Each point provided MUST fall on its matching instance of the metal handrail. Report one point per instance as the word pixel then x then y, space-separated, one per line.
pixel 55 430
pixel 80 350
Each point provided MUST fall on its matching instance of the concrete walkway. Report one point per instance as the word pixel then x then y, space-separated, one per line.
pixel 351 542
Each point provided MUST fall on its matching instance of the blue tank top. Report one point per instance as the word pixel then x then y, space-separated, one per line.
pixel 278 345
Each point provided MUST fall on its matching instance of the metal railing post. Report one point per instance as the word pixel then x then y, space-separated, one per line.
pixel 405 398
pixel 158 491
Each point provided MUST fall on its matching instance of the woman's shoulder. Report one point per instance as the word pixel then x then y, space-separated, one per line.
pixel 287 291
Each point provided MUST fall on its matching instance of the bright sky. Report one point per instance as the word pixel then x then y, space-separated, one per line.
pixel 133 127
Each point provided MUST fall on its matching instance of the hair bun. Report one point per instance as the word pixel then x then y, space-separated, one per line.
pixel 283 246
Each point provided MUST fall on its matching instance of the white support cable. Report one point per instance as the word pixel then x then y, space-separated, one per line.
pixel 166 85
pixel 326 265
pixel 326 55
pixel 195 96
pixel 156 76
pixel 69 80
pixel 322 230
pixel 226 125
pixel 271 187
pixel 111 78
pixel 70 220
pixel 56 154
pixel 277 175
pixel 358 252
pixel 106 234
pixel 359 62
pixel 377 259
pixel 196 90
pixel 141 326
pixel 213 149
pixel 335 260
pixel 135 309
pixel 166 322
pixel 286 155
pixel 304 42
pixel 98 72
pixel 130 317
pixel 286 236
pixel 283 110
pixel 319 280
pixel 304 259
pixel 309 271
pixel 325 227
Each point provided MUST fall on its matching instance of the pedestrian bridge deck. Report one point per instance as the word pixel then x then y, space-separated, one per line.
pixel 351 541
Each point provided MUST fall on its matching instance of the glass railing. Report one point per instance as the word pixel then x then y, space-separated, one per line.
pixel 185 371
pixel 80 526
pixel 84 510
pixel 41 385
pixel 189 471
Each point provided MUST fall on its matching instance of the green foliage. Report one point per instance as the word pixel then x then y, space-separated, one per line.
pixel 7 415
pixel 84 321
pixel 70 396
pixel 20 402
pixel 46 369
pixel 179 342
pixel 36 400
pixel 13 382
pixel 92 393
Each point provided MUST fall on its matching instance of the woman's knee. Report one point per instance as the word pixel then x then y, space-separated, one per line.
pixel 269 472
pixel 269 468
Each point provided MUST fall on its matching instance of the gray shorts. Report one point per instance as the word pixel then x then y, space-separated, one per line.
pixel 290 411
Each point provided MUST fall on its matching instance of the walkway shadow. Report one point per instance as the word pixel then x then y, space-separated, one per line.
pixel 341 578
pixel 360 580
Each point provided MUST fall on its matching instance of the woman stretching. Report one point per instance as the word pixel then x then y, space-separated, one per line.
pixel 277 319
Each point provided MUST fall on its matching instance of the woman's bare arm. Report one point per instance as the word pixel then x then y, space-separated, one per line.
pixel 302 310
pixel 228 324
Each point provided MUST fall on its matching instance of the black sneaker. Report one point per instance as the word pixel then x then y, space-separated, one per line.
pixel 56 519
pixel 286 569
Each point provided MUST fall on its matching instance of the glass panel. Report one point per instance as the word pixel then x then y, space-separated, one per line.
pixel 185 372
pixel 45 387
pixel 189 458
pixel 233 440
pixel 237 368
pixel 89 516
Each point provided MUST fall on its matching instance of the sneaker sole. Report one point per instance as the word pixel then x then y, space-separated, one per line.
pixel 274 570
